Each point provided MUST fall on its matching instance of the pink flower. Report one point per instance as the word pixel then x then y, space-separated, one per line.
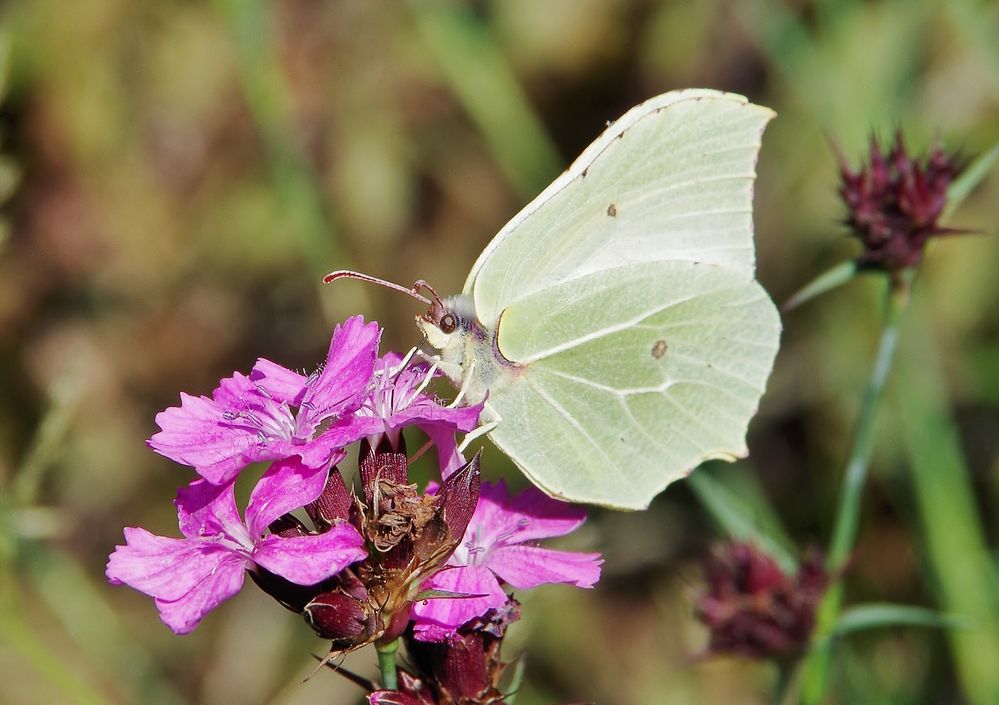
pixel 275 413
pixel 189 577
pixel 397 399
pixel 495 547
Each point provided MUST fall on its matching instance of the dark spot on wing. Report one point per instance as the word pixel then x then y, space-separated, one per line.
pixel 659 349
pixel 584 172
pixel 612 210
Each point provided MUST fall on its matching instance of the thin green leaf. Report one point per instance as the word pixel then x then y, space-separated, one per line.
pixel 47 444
pixel 742 520
pixel 878 615
pixel 963 185
pixel 827 281
pixel 956 548
pixel 480 76
pixel 444 595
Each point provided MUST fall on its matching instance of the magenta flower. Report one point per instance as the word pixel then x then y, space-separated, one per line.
pixel 495 547
pixel 396 399
pixel 189 577
pixel 275 413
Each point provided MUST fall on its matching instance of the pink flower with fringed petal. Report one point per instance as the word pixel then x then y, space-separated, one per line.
pixel 275 413
pixel 397 399
pixel 496 547
pixel 191 576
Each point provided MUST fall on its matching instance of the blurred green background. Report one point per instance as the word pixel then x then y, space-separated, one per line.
pixel 177 175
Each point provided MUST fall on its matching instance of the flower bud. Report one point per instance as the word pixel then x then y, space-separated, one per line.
pixel 346 620
pixel 333 505
pixel 894 203
pixel 753 608
pixel 467 668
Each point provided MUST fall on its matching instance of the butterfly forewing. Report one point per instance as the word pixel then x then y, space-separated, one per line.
pixel 671 180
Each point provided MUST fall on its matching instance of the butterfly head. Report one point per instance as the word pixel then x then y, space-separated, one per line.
pixel 448 321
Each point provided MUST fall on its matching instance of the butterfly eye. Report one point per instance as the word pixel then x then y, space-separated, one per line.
pixel 448 323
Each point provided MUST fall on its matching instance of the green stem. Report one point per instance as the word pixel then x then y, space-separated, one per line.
pixel 848 515
pixel 785 676
pixel 854 479
pixel 386 664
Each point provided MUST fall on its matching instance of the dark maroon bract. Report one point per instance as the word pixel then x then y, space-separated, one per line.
pixel 894 203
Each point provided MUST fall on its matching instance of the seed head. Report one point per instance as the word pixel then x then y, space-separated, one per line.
pixel 894 203
pixel 753 608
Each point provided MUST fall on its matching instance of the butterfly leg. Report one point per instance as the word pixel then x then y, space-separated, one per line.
pixel 478 432
pixel 491 420
pixel 465 381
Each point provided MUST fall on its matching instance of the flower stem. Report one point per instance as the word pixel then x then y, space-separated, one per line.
pixel 854 479
pixel 786 675
pixel 386 664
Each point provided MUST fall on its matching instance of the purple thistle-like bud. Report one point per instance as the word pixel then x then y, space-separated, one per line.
pixel 344 615
pixel 894 203
pixel 753 608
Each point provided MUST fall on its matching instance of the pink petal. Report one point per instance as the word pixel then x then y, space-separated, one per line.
pixel 287 485
pixel 165 568
pixel 529 566
pixel 435 619
pixel 192 434
pixel 348 369
pixel 529 516
pixel 307 560
pixel 204 509
pixel 184 614
pixel 440 425
pixel 281 383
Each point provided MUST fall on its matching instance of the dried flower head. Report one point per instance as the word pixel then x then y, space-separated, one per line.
pixel 753 608
pixel 894 203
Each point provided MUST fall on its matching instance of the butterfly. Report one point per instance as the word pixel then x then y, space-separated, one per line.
pixel 614 328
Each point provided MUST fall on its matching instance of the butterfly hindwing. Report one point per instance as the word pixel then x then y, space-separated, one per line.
pixel 665 372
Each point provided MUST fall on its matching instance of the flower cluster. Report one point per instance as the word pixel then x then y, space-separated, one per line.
pixel 360 568
pixel 465 670
pixel 894 204
pixel 753 608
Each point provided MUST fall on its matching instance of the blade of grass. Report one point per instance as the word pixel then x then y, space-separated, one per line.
pixel 873 616
pixel 825 282
pixel 47 444
pixel 473 65
pixel 24 641
pixel 955 544
pixel 94 627
pixel 964 184
pixel 310 220
pixel 784 39
pixel 743 514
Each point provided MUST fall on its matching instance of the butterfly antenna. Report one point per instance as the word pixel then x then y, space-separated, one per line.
pixel 414 291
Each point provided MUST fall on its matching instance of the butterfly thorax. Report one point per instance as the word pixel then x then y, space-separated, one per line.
pixel 467 351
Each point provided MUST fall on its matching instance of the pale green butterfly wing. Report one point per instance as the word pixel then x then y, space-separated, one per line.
pixel 670 180
pixel 625 293
pixel 666 372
